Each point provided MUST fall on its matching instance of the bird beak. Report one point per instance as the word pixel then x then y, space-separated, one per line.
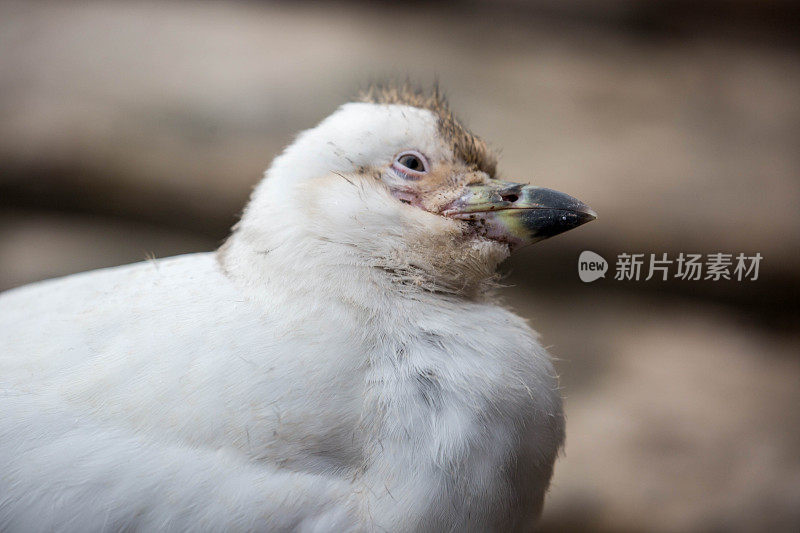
pixel 518 214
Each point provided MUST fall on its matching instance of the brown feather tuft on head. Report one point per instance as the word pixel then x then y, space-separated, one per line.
pixel 466 145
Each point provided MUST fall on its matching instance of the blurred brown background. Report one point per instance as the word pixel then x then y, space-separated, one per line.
pixel 133 128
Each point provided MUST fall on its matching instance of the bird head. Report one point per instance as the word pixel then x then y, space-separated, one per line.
pixel 394 182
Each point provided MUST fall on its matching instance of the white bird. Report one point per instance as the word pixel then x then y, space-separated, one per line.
pixel 340 364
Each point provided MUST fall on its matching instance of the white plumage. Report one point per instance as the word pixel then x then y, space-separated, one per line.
pixel 339 365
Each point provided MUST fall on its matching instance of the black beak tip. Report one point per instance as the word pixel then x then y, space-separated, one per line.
pixel 546 223
pixel 586 213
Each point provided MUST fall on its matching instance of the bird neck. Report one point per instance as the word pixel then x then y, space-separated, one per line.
pixel 307 272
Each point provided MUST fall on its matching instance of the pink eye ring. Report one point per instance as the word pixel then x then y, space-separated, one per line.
pixel 410 164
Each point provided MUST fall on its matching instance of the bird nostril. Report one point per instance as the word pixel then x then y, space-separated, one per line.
pixel 510 198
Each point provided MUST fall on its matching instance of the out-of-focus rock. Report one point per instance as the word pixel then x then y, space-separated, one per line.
pixel 678 419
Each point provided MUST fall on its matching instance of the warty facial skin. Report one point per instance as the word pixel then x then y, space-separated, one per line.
pixel 340 364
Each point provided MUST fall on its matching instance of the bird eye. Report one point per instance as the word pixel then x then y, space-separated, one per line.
pixel 410 164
